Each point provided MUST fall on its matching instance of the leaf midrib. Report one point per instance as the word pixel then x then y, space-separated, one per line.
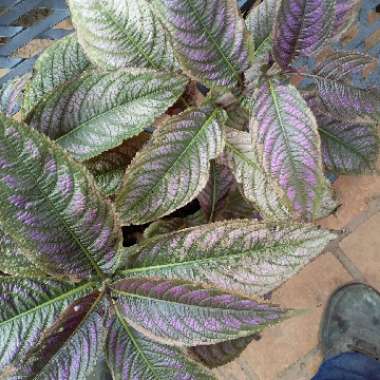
pixel 134 342
pixel 51 301
pixel 213 191
pixel 127 294
pixel 261 48
pixel 216 45
pixel 286 140
pixel 136 46
pixel 242 156
pixel 227 257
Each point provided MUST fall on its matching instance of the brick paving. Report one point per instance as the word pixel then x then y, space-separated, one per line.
pixel 290 351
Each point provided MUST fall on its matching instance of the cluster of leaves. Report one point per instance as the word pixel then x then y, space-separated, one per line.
pixel 84 163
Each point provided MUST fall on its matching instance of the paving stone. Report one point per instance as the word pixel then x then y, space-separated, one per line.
pixel 284 344
pixel 363 248
pixel 305 368
pixel 354 192
pixel 241 369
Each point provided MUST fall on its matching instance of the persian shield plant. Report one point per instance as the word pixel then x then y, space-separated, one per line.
pixel 116 138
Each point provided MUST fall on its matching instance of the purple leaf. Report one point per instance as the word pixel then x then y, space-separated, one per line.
pixel 338 95
pixel 50 207
pixel 27 308
pixel 13 260
pixel 256 185
pixel 348 147
pixel 182 314
pixel 215 355
pixel 209 38
pixel 285 134
pixel 69 349
pixel 131 355
pixel 242 256
pixel 302 27
pixel 342 65
pixel 173 167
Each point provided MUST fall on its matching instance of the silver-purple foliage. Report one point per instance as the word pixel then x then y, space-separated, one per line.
pixel 214 193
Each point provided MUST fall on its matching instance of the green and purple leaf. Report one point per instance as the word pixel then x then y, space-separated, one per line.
pixel 219 184
pixel 256 185
pixel 338 95
pixel 131 355
pixel 117 34
pixel 13 260
pixel 260 22
pixel 173 167
pixel 209 37
pixel 50 207
pixel 27 308
pixel 243 256
pixel 348 147
pixel 302 27
pixel 99 111
pixel 11 94
pixel 285 135
pixel 183 314
pixel 68 349
pixel 260 65
pixel 62 62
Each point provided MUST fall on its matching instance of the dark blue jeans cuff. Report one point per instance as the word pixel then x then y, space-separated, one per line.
pixel 349 366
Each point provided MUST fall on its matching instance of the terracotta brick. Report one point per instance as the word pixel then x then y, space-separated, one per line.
pixel 284 344
pixel 354 193
pixel 363 248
